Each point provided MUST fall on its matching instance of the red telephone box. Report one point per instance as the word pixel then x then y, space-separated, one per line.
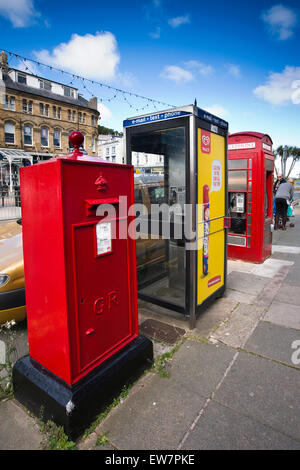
pixel 80 273
pixel 250 192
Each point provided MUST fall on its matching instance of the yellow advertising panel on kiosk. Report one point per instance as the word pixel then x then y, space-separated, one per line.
pixel 180 157
pixel 211 199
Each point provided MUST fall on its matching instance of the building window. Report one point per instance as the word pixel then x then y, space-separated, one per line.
pixel 93 143
pixel 93 120
pixel 45 85
pixel 44 137
pixel 107 151
pixel 58 113
pixel 21 78
pixel 27 106
pixel 12 103
pixel 69 115
pixel 69 92
pixel 47 110
pixel 9 132
pixel 74 116
pixel 84 118
pixel 54 112
pixel 79 116
pixel 56 138
pixel 41 109
pixel 27 135
pixel 9 103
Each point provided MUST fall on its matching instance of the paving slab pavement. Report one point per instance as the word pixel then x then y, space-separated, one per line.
pixel 222 428
pixel 18 431
pixel 283 314
pixel 236 330
pixel 274 342
pixel 264 390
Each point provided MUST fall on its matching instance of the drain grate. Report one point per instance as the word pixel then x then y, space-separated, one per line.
pixel 159 331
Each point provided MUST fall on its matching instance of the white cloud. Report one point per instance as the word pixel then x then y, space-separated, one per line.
pixel 280 88
pixel 176 74
pixel 20 12
pixel 233 70
pixel 179 20
pixel 217 110
pixel 199 67
pixel 92 56
pixel 280 21
pixel 105 112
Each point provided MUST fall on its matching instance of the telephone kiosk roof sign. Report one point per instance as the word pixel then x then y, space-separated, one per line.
pixel 175 113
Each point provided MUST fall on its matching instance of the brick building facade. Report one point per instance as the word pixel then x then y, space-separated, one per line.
pixel 37 115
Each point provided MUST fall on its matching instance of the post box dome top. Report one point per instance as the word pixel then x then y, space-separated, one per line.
pixel 257 135
pixel 76 138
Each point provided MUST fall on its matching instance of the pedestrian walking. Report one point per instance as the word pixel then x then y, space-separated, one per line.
pixel 283 196
pixel 278 182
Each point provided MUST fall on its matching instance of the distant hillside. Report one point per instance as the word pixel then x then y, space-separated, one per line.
pixel 102 130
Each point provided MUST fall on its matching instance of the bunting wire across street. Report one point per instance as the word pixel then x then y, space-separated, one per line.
pixel 117 92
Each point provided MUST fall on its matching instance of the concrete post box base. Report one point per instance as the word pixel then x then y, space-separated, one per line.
pixel 76 407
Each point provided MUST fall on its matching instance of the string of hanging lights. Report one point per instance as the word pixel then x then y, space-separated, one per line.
pixel 116 92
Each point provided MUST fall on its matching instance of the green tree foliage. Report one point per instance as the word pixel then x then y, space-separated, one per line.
pixel 102 130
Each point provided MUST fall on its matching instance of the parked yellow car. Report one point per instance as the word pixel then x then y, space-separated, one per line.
pixel 12 288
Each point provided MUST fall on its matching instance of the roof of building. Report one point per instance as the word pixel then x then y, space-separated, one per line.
pixel 258 135
pixel 14 153
pixel 80 101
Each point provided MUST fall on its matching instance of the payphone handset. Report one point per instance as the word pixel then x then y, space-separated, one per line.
pixel 177 195
pixel 237 209
pixel 237 203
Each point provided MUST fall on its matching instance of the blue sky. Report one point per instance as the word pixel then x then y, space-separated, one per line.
pixel 240 60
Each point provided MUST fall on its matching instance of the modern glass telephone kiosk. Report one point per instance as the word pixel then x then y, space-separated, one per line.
pixel 180 159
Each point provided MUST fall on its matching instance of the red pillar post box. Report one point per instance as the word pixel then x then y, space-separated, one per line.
pixel 250 192
pixel 80 281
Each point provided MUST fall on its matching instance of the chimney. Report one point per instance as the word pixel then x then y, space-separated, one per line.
pixel 93 103
pixel 3 62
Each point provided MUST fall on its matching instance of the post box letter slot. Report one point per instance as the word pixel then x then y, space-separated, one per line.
pixel 91 205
